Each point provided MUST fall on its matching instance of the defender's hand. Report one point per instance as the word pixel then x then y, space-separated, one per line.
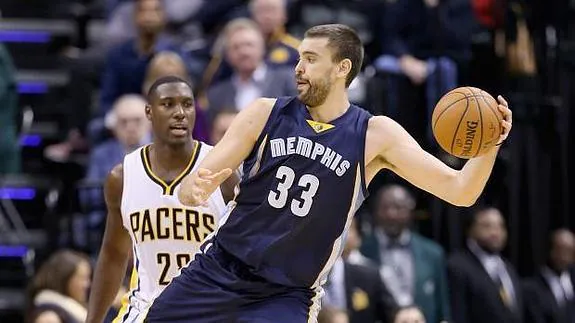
pixel 507 121
pixel 197 187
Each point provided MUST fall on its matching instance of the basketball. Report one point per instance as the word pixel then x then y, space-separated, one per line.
pixel 466 122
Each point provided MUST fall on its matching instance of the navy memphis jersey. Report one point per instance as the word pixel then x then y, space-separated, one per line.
pixel 300 188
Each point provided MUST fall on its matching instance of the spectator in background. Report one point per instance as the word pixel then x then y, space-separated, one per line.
pixel 252 77
pixel 221 123
pixel 61 287
pixel 412 267
pixel 126 64
pixel 280 47
pixel 408 314
pixel 424 43
pixel 9 149
pixel 131 129
pixel 170 63
pixel 356 286
pixel 484 286
pixel 550 295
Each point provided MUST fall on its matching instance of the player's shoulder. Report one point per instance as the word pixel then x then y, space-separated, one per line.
pixel 260 108
pixel 380 122
pixel 382 127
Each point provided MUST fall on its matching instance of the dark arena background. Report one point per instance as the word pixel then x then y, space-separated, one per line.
pixel 73 80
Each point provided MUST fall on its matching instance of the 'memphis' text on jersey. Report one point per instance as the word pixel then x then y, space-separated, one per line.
pixel 169 223
pixel 312 150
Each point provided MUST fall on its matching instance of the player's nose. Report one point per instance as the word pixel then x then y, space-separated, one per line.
pixel 179 111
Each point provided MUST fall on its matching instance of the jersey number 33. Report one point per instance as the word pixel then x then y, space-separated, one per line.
pixel 301 206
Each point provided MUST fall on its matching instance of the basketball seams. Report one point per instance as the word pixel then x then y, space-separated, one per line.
pixel 447 108
pixel 494 113
pixel 481 127
pixel 459 124
pixel 451 104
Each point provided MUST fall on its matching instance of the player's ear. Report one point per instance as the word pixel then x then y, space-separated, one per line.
pixel 148 112
pixel 344 67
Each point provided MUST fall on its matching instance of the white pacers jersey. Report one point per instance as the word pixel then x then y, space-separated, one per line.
pixel 165 233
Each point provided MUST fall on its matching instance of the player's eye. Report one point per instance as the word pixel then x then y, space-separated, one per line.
pixel 188 104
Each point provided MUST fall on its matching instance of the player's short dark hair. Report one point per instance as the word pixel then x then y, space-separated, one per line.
pixel 167 80
pixel 344 42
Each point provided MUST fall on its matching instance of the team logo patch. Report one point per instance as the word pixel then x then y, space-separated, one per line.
pixel 319 127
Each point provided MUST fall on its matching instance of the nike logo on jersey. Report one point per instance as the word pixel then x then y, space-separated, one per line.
pixel 312 150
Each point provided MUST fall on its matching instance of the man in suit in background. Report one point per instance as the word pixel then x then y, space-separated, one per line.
pixel 412 267
pixel 484 286
pixel 354 285
pixel 549 295
pixel 252 77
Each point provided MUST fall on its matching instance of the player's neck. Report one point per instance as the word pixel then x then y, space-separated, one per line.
pixel 335 105
pixel 170 156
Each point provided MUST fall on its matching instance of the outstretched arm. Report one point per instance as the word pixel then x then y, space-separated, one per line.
pixel 390 146
pixel 228 154
pixel 113 257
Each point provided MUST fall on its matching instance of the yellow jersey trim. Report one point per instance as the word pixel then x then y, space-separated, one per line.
pixel 168 188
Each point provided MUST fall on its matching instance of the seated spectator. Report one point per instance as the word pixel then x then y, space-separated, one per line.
pixel 9 149
pixel 126 64
pixel 550 294
pixel 252 77
pixel 221 123
pixel 131 129
pixel 409 314
pixel 357 286
pixel 413 267
pixel 169 63
pixel 280 47
pixel 424 43
pixel 60 288
pixel 484 286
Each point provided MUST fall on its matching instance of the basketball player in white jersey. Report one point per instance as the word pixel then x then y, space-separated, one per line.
pixel 144 213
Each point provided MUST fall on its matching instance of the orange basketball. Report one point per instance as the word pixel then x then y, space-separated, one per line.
pixel 466 122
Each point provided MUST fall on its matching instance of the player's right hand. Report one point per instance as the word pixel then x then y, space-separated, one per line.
pixel 197 187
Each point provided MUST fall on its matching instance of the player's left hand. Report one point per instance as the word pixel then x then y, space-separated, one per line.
pixel 197 187
pixel 507 121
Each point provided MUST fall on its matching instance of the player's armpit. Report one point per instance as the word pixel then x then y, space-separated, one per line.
pixel 228 187
pixel 112 260
pixel 388 141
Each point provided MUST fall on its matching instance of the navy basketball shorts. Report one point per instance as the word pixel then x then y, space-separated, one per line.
pixel 217 288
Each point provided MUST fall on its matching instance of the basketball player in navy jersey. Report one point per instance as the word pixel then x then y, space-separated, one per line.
pixel 307 161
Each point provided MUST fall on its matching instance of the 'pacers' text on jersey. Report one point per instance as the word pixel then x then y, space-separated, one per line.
pixel 301 185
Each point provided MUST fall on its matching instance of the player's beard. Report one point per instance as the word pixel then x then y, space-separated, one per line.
pixel 317 91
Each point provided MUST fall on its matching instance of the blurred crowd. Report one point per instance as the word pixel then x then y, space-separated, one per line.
pixel 397 266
